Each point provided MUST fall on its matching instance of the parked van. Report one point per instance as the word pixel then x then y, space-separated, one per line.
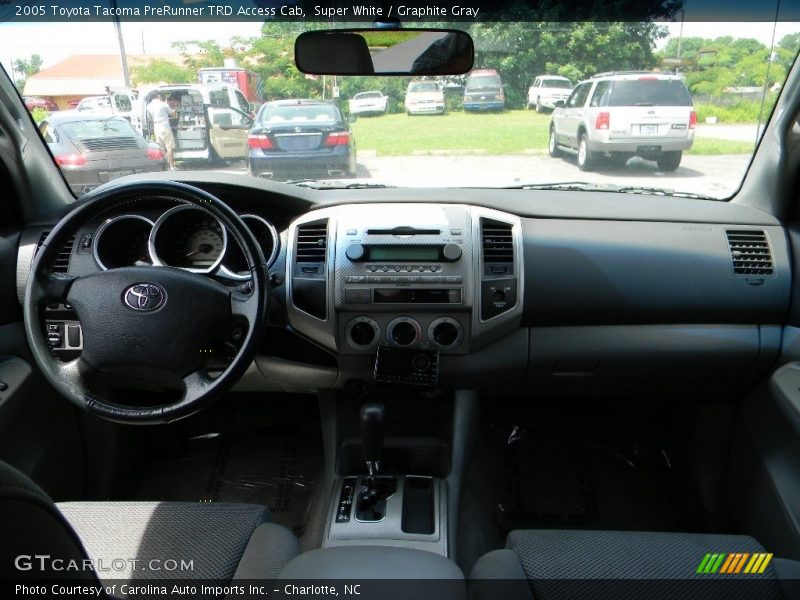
pixel 209 122
pixel 484 91
pixel 119 102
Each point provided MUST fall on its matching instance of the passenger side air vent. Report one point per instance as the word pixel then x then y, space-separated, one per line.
pixel 750 252
pixel 61 264
pixel 309 282
pixel 497 242
pixel 312 242
pixel 498 283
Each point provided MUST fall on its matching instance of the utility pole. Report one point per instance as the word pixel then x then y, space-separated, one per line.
pixel 123 58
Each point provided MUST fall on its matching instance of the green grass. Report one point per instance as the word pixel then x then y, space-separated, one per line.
pixel 709 146
pixel 510 132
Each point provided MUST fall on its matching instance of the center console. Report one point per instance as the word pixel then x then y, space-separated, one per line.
pixel 405 285
pixel 385 507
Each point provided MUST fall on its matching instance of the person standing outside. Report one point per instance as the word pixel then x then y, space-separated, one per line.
pixel 159 112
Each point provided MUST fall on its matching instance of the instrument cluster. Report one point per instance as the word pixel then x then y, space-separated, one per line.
pixel 185 236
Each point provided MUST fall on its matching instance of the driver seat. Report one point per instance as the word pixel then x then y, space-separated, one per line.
pixel 135 541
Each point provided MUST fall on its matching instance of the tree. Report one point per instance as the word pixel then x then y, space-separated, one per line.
pixel 522 50
pixel 29 66
pixel 159 70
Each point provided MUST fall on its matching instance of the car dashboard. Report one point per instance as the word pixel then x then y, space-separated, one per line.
pixel 501 291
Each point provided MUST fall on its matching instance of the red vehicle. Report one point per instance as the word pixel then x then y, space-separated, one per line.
pixel 32 102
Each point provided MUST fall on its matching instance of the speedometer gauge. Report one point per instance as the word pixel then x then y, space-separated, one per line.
pixel 189 238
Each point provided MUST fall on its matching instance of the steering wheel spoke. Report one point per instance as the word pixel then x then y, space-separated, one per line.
pixel 73 373
pixel 55 286
pixel 245 307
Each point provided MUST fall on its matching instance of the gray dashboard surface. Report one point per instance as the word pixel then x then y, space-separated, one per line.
pixel 621 272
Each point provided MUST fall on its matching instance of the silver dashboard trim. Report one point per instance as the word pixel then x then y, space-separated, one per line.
pixel 160 221
pixel 105 225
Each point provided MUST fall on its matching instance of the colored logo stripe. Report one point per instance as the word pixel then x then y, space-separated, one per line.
pixel 734 562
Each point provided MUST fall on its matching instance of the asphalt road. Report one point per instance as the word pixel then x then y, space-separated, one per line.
pixel 717 176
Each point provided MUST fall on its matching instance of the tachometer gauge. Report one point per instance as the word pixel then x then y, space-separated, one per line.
pixel 189 238
pixel 122 242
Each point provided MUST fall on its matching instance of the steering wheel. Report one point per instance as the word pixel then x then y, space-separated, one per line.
pixel 147 321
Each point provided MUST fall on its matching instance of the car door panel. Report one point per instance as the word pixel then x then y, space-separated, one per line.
pixel 228 132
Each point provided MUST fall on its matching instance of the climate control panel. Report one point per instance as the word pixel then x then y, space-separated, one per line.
pixel 418 331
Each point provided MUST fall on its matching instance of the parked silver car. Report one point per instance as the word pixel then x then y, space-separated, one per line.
pixel 620 115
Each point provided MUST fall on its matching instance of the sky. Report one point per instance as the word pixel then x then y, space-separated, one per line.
pixel 55 41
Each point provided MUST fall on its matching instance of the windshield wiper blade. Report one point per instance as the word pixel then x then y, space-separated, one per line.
pixel 631 189
pixel 333 184
pixel 569 186
pixel 584 186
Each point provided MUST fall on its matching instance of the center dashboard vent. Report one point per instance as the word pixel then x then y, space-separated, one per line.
pixel 497 242
pixel 61 263
pixel 750 252
pixel 312 242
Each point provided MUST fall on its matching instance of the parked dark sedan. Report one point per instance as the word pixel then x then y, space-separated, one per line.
pixel 94 149
pixel 301 136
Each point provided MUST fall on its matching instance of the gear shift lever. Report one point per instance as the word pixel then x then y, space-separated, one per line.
pixel 372 436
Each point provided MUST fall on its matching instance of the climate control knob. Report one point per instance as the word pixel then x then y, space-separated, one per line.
pixel 404 331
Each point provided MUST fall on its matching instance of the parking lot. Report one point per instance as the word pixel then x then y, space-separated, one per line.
pixel 717 176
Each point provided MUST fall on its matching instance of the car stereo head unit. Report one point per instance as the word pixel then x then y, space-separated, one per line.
pixel 403 252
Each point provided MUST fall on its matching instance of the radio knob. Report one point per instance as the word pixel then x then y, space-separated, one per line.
pixel 362 333
pixel 355 252
pixel 404 333
pixel 452 251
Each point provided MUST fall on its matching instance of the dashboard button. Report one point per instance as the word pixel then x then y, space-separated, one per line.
pixel 355 279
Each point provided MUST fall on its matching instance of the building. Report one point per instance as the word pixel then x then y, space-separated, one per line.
pixel 81 75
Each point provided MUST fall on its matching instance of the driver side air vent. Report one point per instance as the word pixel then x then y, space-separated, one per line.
pixel 61 264
pixel 750 252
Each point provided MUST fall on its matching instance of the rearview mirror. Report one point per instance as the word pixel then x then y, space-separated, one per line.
pixel 384 52
pixel 559 103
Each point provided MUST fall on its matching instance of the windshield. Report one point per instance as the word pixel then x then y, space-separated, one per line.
pixel 318 113
pixel 648 92
pixel 484 82
pixel 557 83
pixel 101 128
pixel 423 86
pixel 669 104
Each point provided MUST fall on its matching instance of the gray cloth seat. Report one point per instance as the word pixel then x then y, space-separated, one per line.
pixel 138 541
pixel 557 564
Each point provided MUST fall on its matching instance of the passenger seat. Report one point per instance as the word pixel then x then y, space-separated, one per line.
pixel 622 565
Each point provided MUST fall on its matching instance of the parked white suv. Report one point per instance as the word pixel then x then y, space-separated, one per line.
pixel 620 115
pixel 546 90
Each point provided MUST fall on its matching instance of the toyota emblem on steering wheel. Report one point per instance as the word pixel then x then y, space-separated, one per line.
pixel 144 297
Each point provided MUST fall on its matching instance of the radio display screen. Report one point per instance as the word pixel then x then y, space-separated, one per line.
pixel 403 253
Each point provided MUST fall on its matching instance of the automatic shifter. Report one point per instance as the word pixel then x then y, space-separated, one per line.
pixel 372 436
pixel 375 490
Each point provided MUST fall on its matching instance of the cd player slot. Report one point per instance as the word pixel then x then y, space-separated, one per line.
pixel 416 296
